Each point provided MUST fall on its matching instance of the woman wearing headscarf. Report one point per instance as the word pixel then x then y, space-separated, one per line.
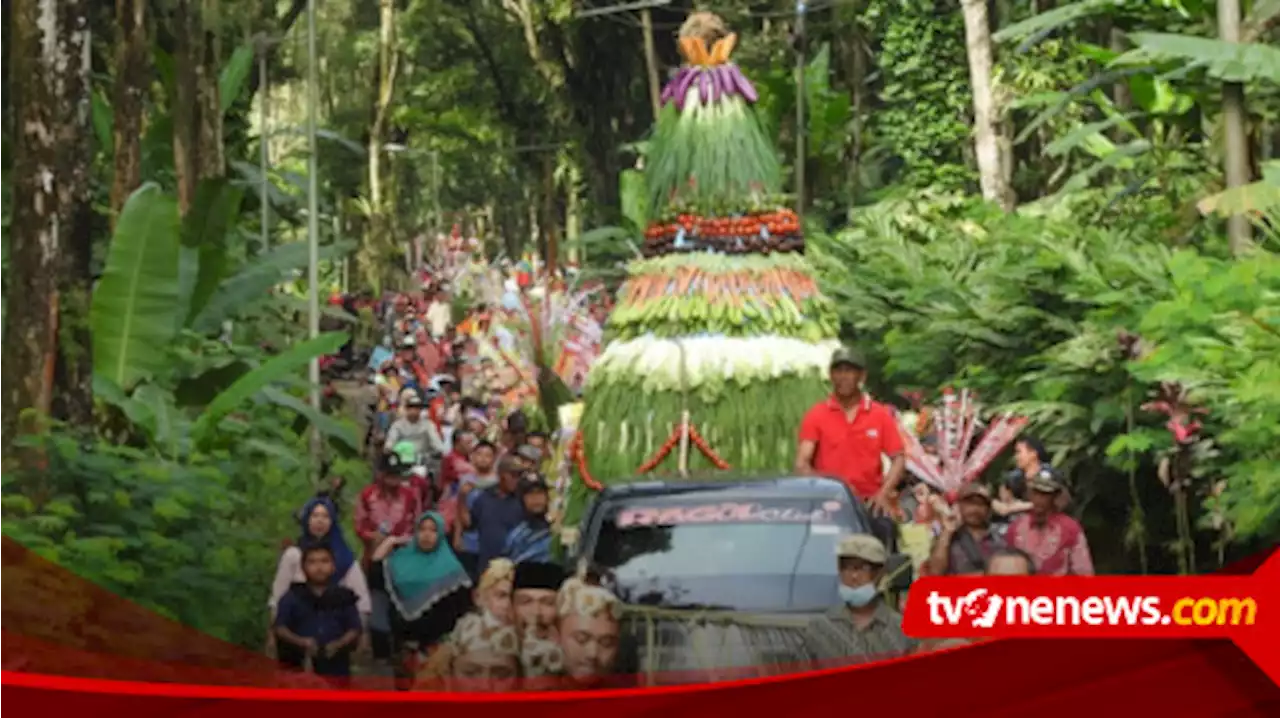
pixel 426 583
pixel 482 654
pixel 318 523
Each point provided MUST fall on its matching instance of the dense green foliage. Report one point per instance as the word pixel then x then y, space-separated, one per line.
pixel 1028 310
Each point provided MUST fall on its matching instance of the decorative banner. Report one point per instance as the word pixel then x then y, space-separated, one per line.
pixel 954 425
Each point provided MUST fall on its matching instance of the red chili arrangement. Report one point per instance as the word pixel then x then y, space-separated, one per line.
pixel 578 454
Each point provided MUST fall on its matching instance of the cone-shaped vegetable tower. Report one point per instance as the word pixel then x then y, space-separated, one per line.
pixel 722 318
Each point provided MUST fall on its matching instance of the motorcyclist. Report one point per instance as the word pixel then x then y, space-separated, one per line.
pixel 415 428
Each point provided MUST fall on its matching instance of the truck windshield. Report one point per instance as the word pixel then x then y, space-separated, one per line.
pixel 773 554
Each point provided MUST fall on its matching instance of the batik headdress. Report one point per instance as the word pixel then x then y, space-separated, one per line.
pixel 578 598
pixel 540 656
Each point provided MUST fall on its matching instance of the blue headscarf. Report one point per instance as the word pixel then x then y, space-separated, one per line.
pixel 343 559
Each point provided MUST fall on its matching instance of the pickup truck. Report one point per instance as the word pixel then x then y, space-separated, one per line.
pixel 722 578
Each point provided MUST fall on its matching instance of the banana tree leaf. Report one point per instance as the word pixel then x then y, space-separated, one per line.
pixel 252 283
pixel 204 243
pixel 135 305
pixel 325 424
pixel 1226 61
pixel 1037 26
pixel 274 369
pixel 231 80
pixel 200 389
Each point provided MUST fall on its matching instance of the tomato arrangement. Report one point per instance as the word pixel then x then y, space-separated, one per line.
pixel 776 231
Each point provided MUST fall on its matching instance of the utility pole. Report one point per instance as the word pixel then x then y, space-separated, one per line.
pixel 800 98
pixel 313 228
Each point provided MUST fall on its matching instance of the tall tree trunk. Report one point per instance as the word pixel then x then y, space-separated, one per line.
pixel 133 75
pixel 1235 149
pixel 51 210
pixel 187 61
pixel 374 253
pixel 986 113
pixel 212 163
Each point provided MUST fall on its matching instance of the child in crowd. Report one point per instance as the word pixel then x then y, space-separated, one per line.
pixel 317 622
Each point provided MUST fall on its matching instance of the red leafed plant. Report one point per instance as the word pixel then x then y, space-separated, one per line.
pixel 1173 400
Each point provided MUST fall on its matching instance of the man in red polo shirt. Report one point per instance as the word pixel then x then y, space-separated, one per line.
pixel 846 434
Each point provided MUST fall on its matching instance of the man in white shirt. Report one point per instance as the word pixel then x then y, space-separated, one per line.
pixel 439 315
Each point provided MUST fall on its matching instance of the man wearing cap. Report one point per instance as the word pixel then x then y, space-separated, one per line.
pixel 529 456
pixel 1053 539
pixel 385 508
pixel 847 434
pixel 531 539
pixel 966 542
pixel 862 625
pixel 495 511
pixel 414 428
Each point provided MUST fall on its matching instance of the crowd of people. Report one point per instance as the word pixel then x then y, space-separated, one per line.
pixel 453 585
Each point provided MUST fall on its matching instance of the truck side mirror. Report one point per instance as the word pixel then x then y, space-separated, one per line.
pixel 900 572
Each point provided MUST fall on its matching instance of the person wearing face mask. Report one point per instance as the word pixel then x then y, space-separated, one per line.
pixel 862 625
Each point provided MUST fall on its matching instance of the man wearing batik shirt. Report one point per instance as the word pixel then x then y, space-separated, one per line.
pixel 1054 540
pixel 387 507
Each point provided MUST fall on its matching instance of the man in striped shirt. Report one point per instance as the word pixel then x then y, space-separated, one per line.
pixel 530 540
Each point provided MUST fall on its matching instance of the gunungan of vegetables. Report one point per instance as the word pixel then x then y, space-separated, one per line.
pixel 709 154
